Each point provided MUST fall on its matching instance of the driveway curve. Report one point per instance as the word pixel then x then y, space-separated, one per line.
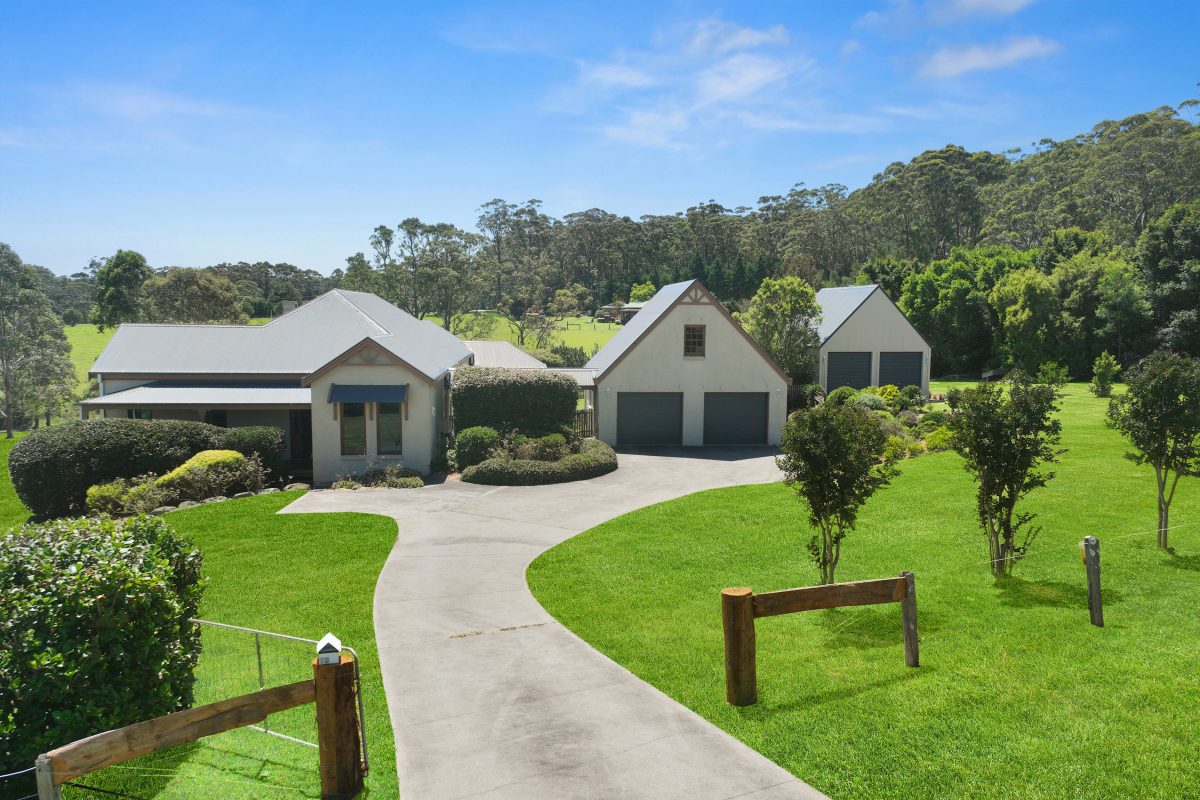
pixel 490 697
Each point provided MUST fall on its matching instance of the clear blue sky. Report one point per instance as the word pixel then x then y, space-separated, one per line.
pixel 209 131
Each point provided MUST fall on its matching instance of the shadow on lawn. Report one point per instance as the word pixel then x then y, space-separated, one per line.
pixel 868 627
pixel 1021 593
pixel 1177 561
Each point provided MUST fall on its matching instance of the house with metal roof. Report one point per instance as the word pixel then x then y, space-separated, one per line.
pixel 351 379
pixel 682 371
pixel 867 341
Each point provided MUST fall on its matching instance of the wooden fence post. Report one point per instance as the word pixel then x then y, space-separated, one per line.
pixel 908 613
pixel 337 729
pixel 1091 559
pixel 47 788
pixel 737 619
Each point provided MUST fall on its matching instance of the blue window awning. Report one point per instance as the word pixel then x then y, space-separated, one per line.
pixel 367 393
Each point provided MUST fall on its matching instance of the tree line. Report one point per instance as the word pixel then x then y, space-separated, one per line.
pixel 1073 248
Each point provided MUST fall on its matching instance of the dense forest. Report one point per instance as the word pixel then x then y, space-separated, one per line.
pixel 1016 258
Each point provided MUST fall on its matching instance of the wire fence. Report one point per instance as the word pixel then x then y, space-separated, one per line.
pixel 234 661
pixel 1040 554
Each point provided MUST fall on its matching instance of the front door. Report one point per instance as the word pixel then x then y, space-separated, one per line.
pixel 301 434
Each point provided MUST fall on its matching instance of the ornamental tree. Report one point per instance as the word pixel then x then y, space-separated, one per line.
pixel 782 318
pixel 1005 435
pixel 1160 416
pixel 833 457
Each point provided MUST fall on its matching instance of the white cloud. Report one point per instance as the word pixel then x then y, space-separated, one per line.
pixel 850 47
pixel 739 77
pixel 649 127
pixel 950 62
pixel 988 8
pixel 718 36
pixel 616 75
pixel 142 104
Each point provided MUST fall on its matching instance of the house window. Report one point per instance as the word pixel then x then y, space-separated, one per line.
pixel 693 340
pixel 218 417
pixel 354 429
pixel 139 413
pixel 389 426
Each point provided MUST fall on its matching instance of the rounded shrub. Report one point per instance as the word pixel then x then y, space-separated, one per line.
pixel 595 458
pixel 213 473
pixel 894 449
pixel 474 445
pixel 551 447
pixel 96 631
pixel 53 468
pixel 534 401
pixel 108 498
pixel 939 439
pixel 807 395
pixel 871 402
pixel 911 396
pixel 841 395
pixel 890 394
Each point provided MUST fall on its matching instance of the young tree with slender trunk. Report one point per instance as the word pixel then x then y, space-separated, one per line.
pixel 1160 416
pixel 1005 434
pixel 833 456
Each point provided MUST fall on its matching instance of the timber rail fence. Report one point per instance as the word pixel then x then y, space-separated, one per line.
pixel 741 606
pixel 333 689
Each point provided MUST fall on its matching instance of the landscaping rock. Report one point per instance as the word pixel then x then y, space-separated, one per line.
pixel 293 486
pixel 269 490
pixel 216 499
pixel 188 504
pixel 162 510
pixel 240 495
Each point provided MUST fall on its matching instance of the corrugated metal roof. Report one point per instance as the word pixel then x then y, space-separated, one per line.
pixel 297 343
pixel 586 378
pixel 837 306
pixel 489 353
pixel 227 395
pixel 629 334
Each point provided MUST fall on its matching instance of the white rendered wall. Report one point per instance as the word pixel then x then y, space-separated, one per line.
pixel 877 327
pixel 656 363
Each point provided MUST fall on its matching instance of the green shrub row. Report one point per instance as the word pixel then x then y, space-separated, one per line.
pixel 94 620
pixel 595 458
pixel 533 401
pixel 474 445
pixel 53 468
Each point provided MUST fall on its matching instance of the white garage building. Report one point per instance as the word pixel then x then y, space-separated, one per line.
pixel 867 341
pixel 683 372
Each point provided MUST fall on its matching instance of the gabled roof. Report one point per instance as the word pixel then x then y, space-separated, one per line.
pixel 496 353
pixel 295 344
pixel 841 303
pixel 654 310
pixel 838 305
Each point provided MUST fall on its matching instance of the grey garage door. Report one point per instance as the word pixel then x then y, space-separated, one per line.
pixel 735 417
pixel 848 369
pixel 900 369
pixel 649 418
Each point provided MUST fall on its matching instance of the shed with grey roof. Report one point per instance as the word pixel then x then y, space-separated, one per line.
pixel 867 341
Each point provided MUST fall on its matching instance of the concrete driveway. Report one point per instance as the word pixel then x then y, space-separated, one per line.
pixel 490 697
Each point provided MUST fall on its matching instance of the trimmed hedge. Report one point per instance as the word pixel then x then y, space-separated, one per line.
pixel 594 459
pixel 53 468
pixel 95 630
pixel 533 401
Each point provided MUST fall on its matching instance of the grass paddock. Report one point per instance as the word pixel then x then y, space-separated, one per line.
pixel 1017 696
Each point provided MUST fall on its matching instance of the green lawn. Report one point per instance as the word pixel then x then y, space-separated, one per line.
pixel 1017 696
pixel 302 575
pixel 12 513
pixel 573 331
pixel 86 343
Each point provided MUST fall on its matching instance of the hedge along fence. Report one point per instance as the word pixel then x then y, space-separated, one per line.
pixel 96 633
pixel 52 468
pixel 594 459
pixel 533 401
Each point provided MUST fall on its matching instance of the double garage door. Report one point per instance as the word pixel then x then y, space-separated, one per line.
pixel 656 418
pixel 854 370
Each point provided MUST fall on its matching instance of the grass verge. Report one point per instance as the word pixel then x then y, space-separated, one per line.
pixel 12 513
pixel 1018 696
pixel 303 575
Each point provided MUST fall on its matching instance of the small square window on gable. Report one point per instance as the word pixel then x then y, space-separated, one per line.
pixel 693 340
